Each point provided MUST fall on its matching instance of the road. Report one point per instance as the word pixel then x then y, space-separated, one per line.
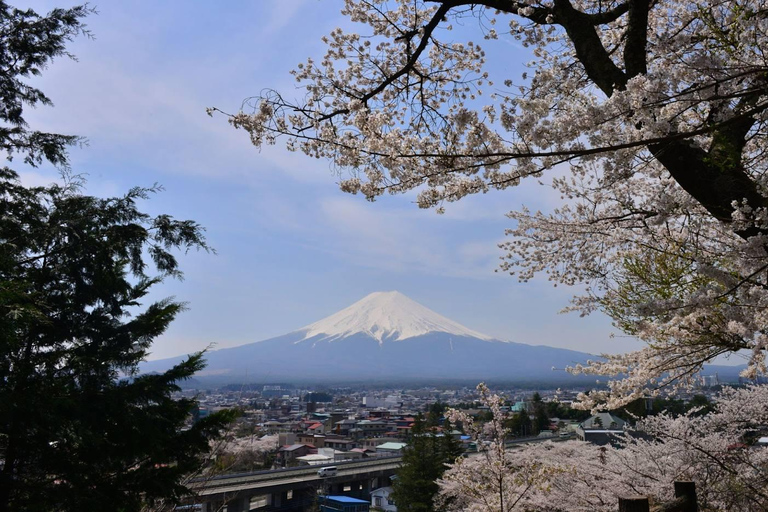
pixel 291 476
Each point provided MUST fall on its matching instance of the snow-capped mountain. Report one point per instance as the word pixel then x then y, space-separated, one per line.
pixel 385 316
pixel 383 337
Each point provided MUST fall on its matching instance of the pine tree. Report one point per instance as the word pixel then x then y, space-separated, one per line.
pixel 519 424
pixel 28 42
pixel 541 420
pixel 79 428
pixel 425 460
pixel 80 431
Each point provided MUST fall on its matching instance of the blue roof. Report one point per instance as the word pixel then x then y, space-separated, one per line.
pixel 347 499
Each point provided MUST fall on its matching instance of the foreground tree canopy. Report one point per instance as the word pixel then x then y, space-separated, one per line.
pixel 657 109
pixel 78 429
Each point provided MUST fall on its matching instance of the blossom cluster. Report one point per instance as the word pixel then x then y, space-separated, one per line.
pixel 709 450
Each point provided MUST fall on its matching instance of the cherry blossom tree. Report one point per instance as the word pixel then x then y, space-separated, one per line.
pixel 245 453
pixel 708 449
pixel 495 479
pixel 655 109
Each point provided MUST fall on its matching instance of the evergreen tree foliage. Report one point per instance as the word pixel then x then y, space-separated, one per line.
pixel 28 43
pixel 79 428
pixel 519 424
pixel 643 407
pixel 319 396
pixel 436 411
pixel 541 420
pixel 425 460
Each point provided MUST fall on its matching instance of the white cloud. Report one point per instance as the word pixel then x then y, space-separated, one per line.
pixel 38 179
pixel 403 240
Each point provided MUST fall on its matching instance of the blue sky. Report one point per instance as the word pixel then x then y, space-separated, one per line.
pixel 291 247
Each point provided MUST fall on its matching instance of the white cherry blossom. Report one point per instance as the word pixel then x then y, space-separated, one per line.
pixel 577 476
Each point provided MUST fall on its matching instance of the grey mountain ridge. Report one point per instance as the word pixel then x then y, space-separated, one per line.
pixel 385 337
pixel 358 357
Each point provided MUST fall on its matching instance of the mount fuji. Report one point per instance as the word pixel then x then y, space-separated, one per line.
pixel 385 336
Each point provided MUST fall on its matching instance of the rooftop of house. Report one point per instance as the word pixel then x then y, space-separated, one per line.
pixel 315 457
pixel 315 437
pixel 294 447
pixel 346 499
pixel 391 446
pixel 603 421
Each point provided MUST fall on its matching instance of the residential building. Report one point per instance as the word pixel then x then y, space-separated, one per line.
pixel 343 504
pixel 380 499
pixel 390 448
pixel 287 455
pixel 601 429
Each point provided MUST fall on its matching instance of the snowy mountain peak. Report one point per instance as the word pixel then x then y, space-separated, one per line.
pixel 386 316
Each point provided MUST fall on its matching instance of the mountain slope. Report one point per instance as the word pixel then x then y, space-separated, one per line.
pixel 385 336
pixel 386 316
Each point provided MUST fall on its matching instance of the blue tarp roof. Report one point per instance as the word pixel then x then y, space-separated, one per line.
pixel 346 499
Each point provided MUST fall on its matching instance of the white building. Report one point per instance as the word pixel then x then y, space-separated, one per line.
pixel 380 499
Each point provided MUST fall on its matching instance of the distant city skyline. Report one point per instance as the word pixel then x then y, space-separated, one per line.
pixel 291 248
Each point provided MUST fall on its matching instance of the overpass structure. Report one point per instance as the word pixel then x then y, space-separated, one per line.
pixel 297 489
pixel 292 489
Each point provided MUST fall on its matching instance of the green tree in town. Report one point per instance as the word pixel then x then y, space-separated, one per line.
pixel 425 460
pixel 435 412
pixel 79 428
pixel 541 420
pixel 319 396
pixel 565 411
pixel 519 424
pixel 539 412
pixel 643 407
pixel 704 405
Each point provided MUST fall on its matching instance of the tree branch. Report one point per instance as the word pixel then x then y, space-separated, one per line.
pixel 637 38
pixel 408 66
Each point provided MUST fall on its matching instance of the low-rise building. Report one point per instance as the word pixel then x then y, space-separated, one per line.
pixel 318 441
pixel 601 429
pixel 390 448
pixel 380 499
pixel 340 444
pixel 343 504
pixel 287 455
